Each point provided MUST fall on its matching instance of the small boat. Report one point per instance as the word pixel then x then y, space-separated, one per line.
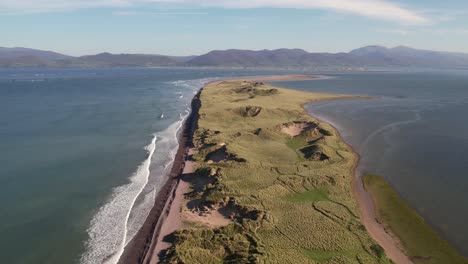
pixel 162 116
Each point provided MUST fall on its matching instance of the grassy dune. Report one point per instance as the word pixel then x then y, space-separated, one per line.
pixel 420 241
pixel 290 197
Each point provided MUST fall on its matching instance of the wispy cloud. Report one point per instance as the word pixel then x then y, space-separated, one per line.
pixel 426 31
pixel 377 9
pixel 158 13
pixel 451 31
pixel 402 32
pixel 445 15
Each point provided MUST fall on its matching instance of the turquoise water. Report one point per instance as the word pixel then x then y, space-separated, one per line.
pixel 415 135
pixel 83 153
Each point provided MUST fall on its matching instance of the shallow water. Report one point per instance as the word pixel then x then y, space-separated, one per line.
pixel 415 135
pixel 83 154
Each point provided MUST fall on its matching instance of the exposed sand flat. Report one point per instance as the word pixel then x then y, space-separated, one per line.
pixel 211 218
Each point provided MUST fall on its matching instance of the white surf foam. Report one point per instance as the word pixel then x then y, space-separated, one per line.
pixel 118 221
pixel 108 230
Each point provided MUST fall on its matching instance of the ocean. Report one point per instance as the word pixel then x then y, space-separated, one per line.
pixel 83 154
pixel 84 151
pixel 414 133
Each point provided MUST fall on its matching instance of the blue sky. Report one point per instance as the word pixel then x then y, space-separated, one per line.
pixel 185 27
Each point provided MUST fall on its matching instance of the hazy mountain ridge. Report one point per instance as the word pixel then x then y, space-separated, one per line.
pixel 116 60
pixel 361 57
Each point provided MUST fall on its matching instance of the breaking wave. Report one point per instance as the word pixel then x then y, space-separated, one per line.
pixel 117 222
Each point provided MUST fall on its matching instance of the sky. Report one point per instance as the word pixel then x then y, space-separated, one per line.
pixel 193 27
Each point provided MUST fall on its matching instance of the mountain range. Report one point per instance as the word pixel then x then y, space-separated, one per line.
pixel 368 56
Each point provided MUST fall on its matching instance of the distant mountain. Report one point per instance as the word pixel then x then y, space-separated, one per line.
pixel 282 57
pixel 22 61
pixel 126 60
pixel 23 52
pixel 182 59
pixel 405 56
pixel 24 57
pixel 362 57
pixel 369 56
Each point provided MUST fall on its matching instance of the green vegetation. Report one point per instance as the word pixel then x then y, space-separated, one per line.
pixel 285 207
pixel 335 256
pixel 314 195
pixel 420 241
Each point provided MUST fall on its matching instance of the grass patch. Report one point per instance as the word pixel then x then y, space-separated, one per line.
pixel 318 255
pixel 296 143
pixel 310 196
pixel 421 241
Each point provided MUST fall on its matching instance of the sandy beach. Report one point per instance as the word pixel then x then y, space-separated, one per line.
pixel 390 243
pixel 142 246
pixel 167 215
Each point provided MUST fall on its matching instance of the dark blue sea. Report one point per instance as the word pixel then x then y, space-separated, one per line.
pixel 83 154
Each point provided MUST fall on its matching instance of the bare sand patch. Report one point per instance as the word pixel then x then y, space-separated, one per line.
pixel 296 128
pixel 211 217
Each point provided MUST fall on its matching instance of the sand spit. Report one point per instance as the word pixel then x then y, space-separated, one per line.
pixel 171 212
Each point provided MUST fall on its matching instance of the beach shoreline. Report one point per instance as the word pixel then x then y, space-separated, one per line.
pixel 142 248
pixel 144 241
pixel 389 242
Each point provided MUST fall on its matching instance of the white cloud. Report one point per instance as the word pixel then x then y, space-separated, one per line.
pixel 162 13
pixel 378 9
pixel 450 31
pixel 401 32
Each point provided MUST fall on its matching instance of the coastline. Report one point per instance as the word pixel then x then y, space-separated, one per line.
pixel 144 241
pixel 388 241
pixel 142 248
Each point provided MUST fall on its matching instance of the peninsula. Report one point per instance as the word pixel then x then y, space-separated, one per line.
pixel 259 180
pixel 271 184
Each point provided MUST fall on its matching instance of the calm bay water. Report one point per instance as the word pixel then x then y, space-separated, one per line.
pixel 83 153
pixel 415 135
